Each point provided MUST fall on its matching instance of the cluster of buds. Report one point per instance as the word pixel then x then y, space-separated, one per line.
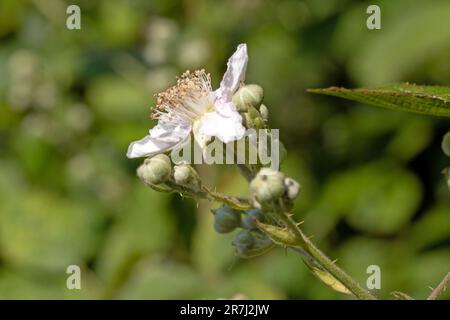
pixel 270 186
pixel 249 241
pixel 159 171
pixel 248 101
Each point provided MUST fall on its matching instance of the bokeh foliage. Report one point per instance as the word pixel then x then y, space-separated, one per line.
pixel 71 101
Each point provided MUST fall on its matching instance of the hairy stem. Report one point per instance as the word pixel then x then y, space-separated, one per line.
pixel 203 193
pixel 440 288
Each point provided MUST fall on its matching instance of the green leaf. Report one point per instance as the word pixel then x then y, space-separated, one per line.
pixel 429 100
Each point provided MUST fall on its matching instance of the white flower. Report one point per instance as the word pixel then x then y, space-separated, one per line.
pixel 192 106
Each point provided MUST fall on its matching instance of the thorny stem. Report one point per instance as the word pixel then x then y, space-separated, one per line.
pixel 440 288
pixel 312 250
pixel 324 261
pixel 233 202
pixel 308 246
pixel 203 193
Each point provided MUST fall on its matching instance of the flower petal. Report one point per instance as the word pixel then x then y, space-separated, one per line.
pixel 162 137
pixel 225 123
pixel 235 74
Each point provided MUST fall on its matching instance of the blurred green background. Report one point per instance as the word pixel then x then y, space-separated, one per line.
pixel 72 101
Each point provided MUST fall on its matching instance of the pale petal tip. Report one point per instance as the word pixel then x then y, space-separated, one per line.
pixel 240 53
pixel 131 152
pixel 242 47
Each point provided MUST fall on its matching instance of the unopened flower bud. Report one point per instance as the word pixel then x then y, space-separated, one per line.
pixel 248 121
pixel 258 123
pixel 226 219
pixel 155 170
pixel 264 112
pixel 249 219
pixel 253 112
pixel 253 119
pixel 292 188
pixel 267 186
pixel 185 175
pixel 181 174
pixel 248 95
pixel 446 144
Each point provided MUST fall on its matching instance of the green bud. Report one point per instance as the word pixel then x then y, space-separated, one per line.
pixel 292 188
pixel 155 170
pixel 226 219
pixel 259 123
pixel 249 219
pixel 248 121
pixel 446 144
pixel 264 112
pixel 267 186
pixel 181 174
pixel 185 175
pixel 253 112
pixel 253 118
pixel 248 95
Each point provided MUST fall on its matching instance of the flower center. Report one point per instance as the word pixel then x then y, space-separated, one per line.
pixel 187 100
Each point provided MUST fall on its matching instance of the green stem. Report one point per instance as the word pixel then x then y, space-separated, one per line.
pixel 440 288
pixel 203 193
pixel 233 202
pixel 325 262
